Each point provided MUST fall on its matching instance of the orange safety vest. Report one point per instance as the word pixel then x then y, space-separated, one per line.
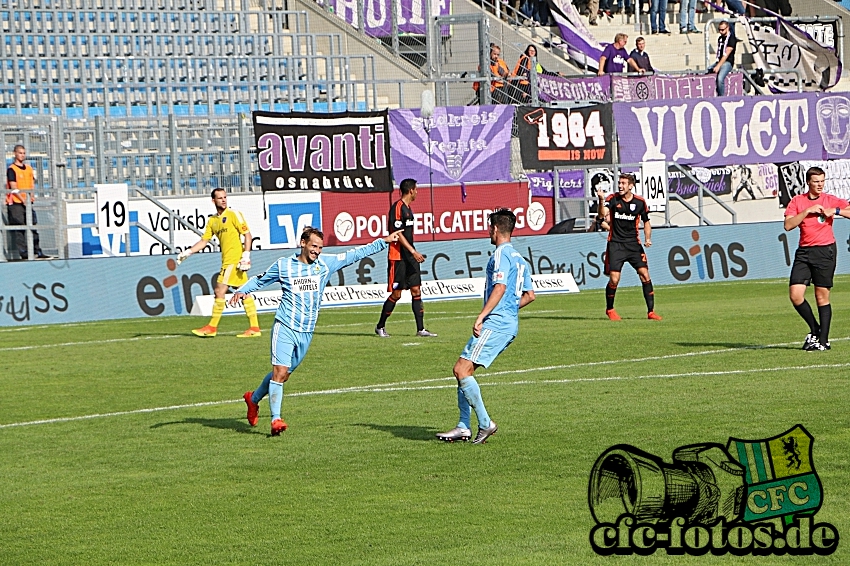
pixel 25 181
pixel 494 69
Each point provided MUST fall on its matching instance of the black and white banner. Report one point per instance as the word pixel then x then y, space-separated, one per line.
pixel 784 46
pixel 346 152
pixel 559 137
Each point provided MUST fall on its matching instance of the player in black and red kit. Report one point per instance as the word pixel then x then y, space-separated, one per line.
pixel 623 212
pixel 403 262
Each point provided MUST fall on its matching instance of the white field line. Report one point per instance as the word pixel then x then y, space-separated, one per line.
pixel 108 341
pixel 412 386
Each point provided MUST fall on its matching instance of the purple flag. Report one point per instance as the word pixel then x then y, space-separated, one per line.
pixel 467 143
pixel 579 43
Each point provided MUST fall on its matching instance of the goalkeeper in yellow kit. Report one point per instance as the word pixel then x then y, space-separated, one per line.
pixel 231 229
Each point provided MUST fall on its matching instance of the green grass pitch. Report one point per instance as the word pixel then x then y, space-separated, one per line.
pixel 125 442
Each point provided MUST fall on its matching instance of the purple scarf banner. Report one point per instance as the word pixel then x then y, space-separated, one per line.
pixel 377 14
pixel 659 87
pixel 585 89
pixel 735 130
pixel 467 143
pixel 571 183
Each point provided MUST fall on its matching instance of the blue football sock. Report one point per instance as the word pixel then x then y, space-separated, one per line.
pixel 275 398
pixel 262 390
pixel 473 395
pixel 464 407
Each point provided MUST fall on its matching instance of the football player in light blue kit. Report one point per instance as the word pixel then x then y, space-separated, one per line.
pixel 508 288
pixel 302 279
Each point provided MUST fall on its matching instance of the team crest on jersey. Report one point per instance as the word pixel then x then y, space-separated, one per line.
pixel 779 474
pixel 632 206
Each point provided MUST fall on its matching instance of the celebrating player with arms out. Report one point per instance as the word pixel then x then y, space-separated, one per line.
pixel 230 228
pixel 302 279
pixel 508 288
pixel 623 212
pixel 403 263
pixel 814 260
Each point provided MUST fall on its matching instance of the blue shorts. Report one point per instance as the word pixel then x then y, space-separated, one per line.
pixel 288 346
pixel 484 349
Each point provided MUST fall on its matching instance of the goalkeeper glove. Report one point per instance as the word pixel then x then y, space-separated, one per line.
pixel 244 263
pixel 181 257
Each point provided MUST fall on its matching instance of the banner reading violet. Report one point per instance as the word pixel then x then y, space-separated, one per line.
pixel 466 144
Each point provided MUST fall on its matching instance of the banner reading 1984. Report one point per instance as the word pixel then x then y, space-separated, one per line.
pixel 346 152
pixel 552 137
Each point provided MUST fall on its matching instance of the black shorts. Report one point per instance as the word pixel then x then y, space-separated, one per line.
pixel 619 253
pixel 403 274
pixel 814 264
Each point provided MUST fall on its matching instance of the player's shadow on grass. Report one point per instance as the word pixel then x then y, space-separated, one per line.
pixel 237 425
pixel 562 317
pixel 738 345
pixel 348 334
pixel 403 431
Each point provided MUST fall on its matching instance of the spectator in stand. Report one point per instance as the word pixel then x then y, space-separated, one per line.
pixel 726 44
pixel 596 8
pixel 499 69
pixel 688 17
pixel 523 71
pixel 614 58
pixel 657 15
pixel 542 14
pixel 629 10
pixel 736 7
pixel 639 59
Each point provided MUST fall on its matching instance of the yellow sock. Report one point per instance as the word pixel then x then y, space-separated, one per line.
pixel 218 309
pixel 251 311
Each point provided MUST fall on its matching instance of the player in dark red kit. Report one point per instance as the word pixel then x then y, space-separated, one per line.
pixel 623 212
pixel 403 262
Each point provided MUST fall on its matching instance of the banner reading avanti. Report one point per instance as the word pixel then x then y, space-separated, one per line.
pixel 456 144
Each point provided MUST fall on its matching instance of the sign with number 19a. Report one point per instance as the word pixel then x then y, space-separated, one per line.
pixel 653 185
pixel 113 217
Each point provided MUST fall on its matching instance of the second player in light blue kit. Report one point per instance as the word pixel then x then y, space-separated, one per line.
pixel 508 288
pixel 302 278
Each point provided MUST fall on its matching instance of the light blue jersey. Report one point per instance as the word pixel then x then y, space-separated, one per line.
pixel 302 283
pixel 506 267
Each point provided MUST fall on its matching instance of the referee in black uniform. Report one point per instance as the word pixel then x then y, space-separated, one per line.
pixel 403 262
pixel 624 211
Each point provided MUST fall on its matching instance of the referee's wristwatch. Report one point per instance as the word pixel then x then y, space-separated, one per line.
pixel 837 211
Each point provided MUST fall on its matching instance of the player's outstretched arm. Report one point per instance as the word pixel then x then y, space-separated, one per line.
pixel 199 245
pixel 271 275
pixel 337 262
